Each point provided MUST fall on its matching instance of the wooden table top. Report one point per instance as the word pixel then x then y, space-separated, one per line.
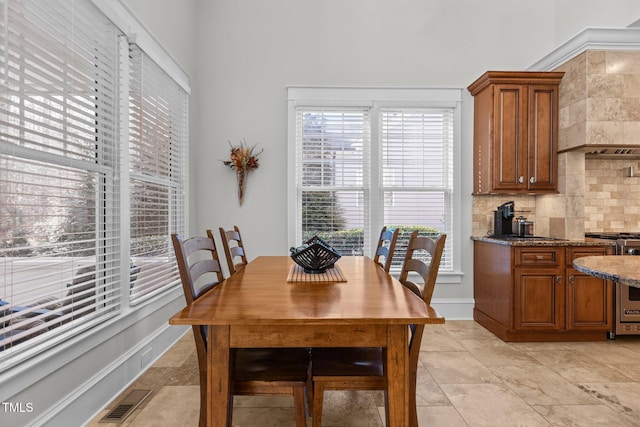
pixel 623 269
pixel 260 294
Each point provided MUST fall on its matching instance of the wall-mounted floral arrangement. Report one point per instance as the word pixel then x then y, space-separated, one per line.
pixel 243 160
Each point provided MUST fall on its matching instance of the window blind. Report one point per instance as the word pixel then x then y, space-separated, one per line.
pixel 416 175
pixel 352 179
pixel 333 177
pixel 59 199
pixel 157 156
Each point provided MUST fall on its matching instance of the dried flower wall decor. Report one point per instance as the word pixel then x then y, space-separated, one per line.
pixel 243 160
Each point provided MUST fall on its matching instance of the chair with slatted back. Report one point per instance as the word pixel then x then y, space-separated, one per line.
pixel 386 247
pixel 363 368
pixel 233 248
pixel 260 371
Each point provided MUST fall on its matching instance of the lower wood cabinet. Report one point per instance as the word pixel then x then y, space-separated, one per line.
pixel 532 293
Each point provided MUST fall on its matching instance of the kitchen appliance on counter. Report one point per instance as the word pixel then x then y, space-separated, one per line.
pixel 524 228
pixel 503 219
pixel 505 225
pixel 627 298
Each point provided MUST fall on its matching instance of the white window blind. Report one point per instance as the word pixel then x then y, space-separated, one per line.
pixel 332 175
pixel 59 204
pixel 157 155
pixel 416 174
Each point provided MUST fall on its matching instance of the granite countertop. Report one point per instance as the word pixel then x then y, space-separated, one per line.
pixel 542 241
pixel 617 268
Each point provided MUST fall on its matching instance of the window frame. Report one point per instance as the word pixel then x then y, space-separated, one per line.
pixel 376 99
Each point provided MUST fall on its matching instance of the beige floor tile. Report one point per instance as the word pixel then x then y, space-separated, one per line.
pixel 263 417
pixel 604 352
pixel 491 405
pixel 623 398
pixel 578 367
pixel 437 338
pixel 497 353
pixel 467 329
pixel 263 402
pixel 350 409
pixel 538 385
pixel 440 416
pixel 428 392
pixel 456 367
pixel 170 407
pixel 584 416
pixel 631 370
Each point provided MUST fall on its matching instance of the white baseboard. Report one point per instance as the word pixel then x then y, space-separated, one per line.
pixel 454 309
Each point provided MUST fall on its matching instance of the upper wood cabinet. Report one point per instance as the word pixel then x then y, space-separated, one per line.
pixel 515 135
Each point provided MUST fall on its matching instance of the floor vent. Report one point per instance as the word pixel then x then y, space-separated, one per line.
pixel 126 406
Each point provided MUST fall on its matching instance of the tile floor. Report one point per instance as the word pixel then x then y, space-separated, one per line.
pixel 467 377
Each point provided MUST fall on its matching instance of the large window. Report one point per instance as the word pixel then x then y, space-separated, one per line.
pixel 66 174
pixel 367 158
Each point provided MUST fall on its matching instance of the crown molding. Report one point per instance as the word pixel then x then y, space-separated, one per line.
pixel 590 39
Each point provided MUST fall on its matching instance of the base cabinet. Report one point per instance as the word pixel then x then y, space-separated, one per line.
pixel 532 293
pixel 539 300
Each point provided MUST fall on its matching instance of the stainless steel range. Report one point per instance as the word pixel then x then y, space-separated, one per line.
pixel 627 298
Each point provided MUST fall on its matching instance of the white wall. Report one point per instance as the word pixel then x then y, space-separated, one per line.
pixel 573 16
pixel 251 50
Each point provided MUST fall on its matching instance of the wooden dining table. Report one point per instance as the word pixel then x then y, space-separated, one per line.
pixel 259 307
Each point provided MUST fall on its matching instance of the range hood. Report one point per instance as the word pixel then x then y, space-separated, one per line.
pixel 631 152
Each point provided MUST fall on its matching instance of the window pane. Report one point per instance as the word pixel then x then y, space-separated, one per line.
pixel 416 176
pixel 332 172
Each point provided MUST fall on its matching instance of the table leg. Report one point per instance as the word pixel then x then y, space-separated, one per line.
pixel 398 375
pixel 218 378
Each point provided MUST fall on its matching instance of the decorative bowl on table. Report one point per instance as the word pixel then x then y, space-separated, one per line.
pixel 315 256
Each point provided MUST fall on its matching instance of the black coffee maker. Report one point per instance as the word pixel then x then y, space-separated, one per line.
pixel 503 219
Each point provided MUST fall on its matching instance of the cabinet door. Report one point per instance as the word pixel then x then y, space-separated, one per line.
pixel 542 170
pixel 589 302
pixel 539 299
pixel 510 138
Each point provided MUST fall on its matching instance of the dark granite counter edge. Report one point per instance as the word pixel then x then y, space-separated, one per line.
pixel 538 242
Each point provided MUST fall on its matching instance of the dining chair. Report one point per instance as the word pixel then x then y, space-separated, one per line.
pixel 364 368
pixel 256 371
pixel 386 247
pixel 233 248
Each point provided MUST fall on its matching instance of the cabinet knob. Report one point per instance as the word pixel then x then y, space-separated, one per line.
pixel 571 279
pixel 559 279
pixel 521 180
pixel 532 180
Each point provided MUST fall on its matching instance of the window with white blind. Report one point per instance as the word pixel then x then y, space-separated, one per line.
pixel 66 171
pixel 59 207
pixel 368 158
pixel 157 165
